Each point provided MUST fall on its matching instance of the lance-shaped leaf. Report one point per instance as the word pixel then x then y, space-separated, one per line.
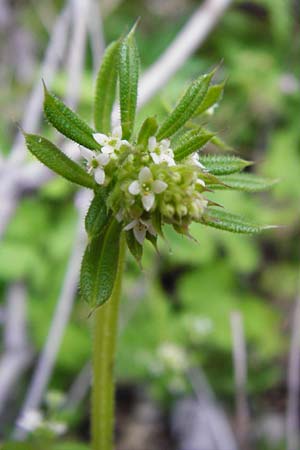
pixel 213 96
pixel 190 142
pixel 186 107
pixel 67 122
pixel 223 220
pixel 99 265
pixel 223 164
pixel 247 182
pixel 97 216
pixel 135 248
pixel 57 161
pixel 129 62
pixel 147 130
pixel 105 91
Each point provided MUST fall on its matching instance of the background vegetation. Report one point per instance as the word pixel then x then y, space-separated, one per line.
pixel 176 315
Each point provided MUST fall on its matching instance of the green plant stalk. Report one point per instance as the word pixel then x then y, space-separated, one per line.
pixel 104 349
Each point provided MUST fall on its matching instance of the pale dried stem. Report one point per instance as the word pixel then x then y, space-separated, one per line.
pixel 293 382
pixel 16 353
pixel 239 355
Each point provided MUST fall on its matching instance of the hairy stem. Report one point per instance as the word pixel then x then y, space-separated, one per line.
pixel 103 391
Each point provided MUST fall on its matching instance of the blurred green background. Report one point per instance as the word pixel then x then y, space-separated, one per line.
pixel 177 312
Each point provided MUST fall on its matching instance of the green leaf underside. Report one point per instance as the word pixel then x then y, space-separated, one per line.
pixel 190 142
pixel 230 222
pixel 105 91
pixel 128 80
pixel 147 130
pixel 186 107
pixel 67 122
pixel 56 160
pixel 247 182
pixel 213 96
pixel 97 215
pixel 99 266
pixel 134 247
pixel 223 164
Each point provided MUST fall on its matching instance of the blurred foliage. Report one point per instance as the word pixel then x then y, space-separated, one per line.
pixel 191 289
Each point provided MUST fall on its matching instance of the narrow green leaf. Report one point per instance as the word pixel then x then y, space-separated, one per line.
pixel 99 265
pixel 67 122
pixel 186 107
pixel 147 130
pixel 223 164
pixel 128 78
pixel 214 95
pixel 97 216
pixel 230 222
pixel 57 161
pixel 105 91
pixel 247 182
pixel 134 247
pixel 190 142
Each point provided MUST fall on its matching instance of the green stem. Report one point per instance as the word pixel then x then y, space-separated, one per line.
pixel 104 348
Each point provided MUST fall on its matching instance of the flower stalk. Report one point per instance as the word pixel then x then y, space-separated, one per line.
pixel 104 349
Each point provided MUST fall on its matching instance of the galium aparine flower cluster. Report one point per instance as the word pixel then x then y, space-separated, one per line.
pixel 147 186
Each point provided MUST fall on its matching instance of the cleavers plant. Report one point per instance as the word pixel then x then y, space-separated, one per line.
pixel 141 181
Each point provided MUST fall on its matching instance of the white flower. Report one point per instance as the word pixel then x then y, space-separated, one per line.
pixel 30 420
pixel 95 163
pixel 194 159
pixel 111 143
pixel 146 187
pixel 172 356
pixel 58 428
pixel 140 228
pixel 161 151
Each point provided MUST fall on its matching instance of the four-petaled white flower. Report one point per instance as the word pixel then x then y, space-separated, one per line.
pixel 146 187
pixel 140 228
pixel 95 163
pixel 161 151
pixel 111 144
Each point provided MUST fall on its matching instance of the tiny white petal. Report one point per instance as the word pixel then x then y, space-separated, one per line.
pixel 101 138
pixel 124 142
pixel 152 143
pixel 103 159
pixel 119 215
pixel 200 181
pixel 131 225
pixel 117 132
pixel 134 188
pixel 99 175
pixel 148 201
pixel 159 186
pixel 145 175
pixel 149 226
pixel 139 232
pixel 165 144
pixel 87 154
pixel 107 149
pixel 156 158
